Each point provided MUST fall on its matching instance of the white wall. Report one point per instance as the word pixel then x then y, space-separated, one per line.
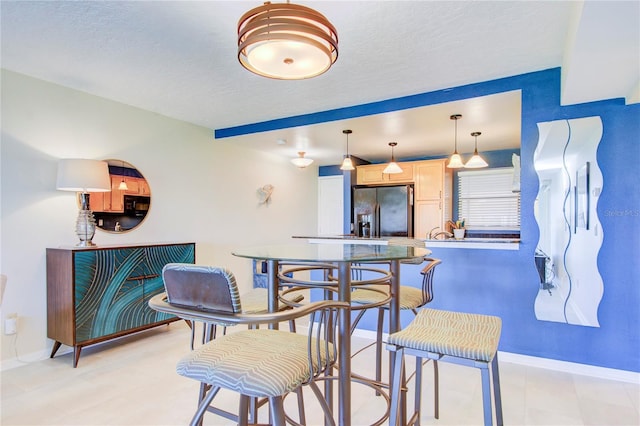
pixel 203 190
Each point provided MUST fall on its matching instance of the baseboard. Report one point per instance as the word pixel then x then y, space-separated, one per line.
pixel 30 358
pixel 547 363
pixel 571 367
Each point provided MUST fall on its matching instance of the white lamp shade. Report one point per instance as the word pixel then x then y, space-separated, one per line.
pixel 82 175
pixel 476 162
pixel 455 162
pixel 392 168
pixel 347 164
pixel 301 162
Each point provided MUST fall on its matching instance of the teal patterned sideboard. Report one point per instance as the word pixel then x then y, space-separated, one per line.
pixel 96 294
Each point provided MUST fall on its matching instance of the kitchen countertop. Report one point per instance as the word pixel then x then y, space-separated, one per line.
pixel 468 243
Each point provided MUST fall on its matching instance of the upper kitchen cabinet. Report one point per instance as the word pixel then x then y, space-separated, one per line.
pixel 371 174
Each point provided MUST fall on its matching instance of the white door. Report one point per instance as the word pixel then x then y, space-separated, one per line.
pixel 330 205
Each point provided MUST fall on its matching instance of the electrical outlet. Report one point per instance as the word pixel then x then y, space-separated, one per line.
pixel 11 324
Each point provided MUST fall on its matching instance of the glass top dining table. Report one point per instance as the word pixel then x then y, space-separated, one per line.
pixel 343 255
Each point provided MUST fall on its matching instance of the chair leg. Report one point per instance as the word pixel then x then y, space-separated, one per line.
pixel 204 403
pixel 253 409
pixel 379 346
pixel 302 418
pixel 418 391
pixel 497 398
pixel 277 411
pixel 243 411
pixel 486 395
pixel 436 390
pixel 396 385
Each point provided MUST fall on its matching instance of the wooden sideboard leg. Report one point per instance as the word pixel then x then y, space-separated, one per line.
pixel 76 355
pixel 55 348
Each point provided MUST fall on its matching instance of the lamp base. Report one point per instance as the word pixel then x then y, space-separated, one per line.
pixel 86 223
pixel 86 244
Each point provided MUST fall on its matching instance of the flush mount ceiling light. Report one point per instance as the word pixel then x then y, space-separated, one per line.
pixel 455 162
pixel 301 162
pixel 392 167
pixel 286 41
pixel 346 163
pixel 476 161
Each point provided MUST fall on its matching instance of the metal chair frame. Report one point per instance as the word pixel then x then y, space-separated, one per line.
pixel 322 331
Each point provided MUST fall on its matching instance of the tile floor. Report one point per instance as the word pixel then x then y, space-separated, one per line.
pixel 133 382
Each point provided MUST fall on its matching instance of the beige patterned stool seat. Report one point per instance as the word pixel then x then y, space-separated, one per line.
pixel 251 362
pixel 461 338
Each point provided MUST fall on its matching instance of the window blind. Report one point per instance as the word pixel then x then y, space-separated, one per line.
pixel 486 199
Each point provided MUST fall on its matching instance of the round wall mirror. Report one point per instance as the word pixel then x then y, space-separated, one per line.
pixel 128 203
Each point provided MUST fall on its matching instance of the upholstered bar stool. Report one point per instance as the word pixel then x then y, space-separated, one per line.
pixel 411 298
pixel 460 338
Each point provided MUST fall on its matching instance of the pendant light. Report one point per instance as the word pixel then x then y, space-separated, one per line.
pixel 392 167
pixel 347 164
pixel 286 41
pixel 123 185
pixel 476 161
pixel 455 162
pixel 301 162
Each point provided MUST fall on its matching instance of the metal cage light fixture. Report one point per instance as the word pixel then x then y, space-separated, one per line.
pixel 286 41
pixel 347 164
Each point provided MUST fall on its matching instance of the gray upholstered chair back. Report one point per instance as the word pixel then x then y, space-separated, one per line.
pixel 205 288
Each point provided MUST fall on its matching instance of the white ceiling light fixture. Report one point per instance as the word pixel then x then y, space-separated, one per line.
pixel 455 162
pixel 286 41
pixel 347 164
pixel 392 167
pixel 301 162
pixel 476 161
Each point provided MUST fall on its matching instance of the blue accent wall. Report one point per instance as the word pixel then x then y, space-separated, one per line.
pixel 505 283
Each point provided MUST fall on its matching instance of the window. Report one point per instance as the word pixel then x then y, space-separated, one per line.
pixel 486 199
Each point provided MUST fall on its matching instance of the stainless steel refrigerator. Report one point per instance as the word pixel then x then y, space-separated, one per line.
pixel 383 211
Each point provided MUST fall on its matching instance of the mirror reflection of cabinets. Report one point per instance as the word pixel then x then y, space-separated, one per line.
pixel 570 233
pixel 128 203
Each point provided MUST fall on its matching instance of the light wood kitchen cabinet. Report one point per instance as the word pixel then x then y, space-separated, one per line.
pixel 371 174
pixel 96 201
pixel 117 195
pixel 137 186
pixel 113 202
pixel 433 195
pixel 96 294
pixel 428 215
pixel 107 201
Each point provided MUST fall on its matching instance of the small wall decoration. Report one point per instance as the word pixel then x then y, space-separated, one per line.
pixel 264 194
pixel 582 197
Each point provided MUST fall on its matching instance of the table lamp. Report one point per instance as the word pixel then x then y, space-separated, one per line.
pixel 84 176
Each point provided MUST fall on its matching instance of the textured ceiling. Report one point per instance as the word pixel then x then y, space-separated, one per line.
pixel 178 58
